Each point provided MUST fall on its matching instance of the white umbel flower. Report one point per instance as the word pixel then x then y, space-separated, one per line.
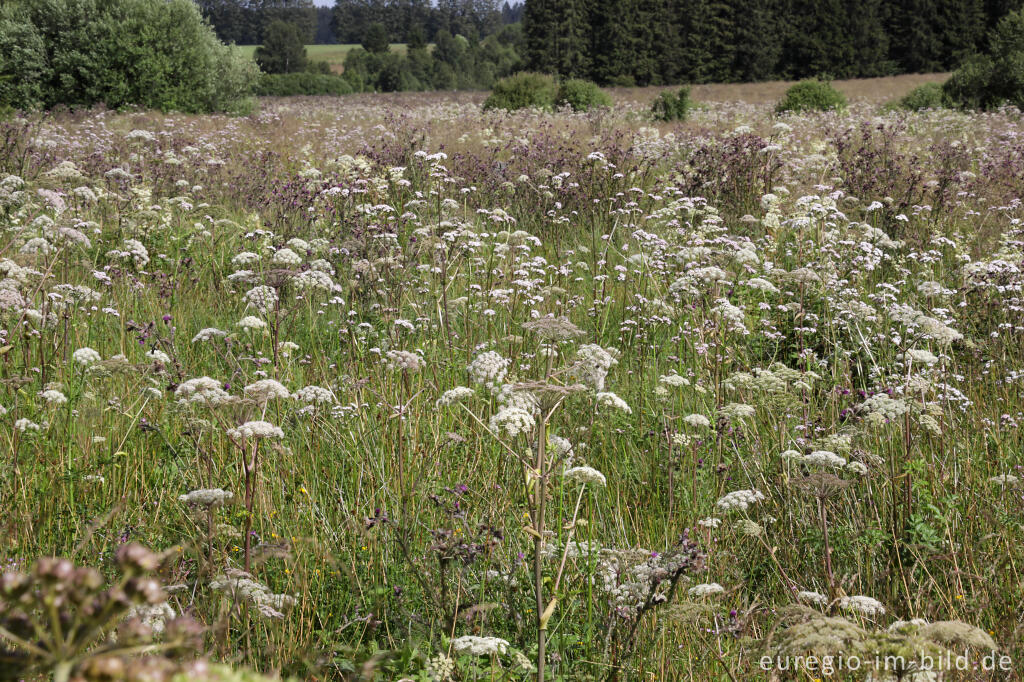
pixel 512 421
pixel 705 590
pixel 256 429
pixel 609 399
pixel 586 475
pixel 480 646
pixel 739 499
pixel 86 356
pixel 863 605
pixel 207 498
pixel 455 395
pixel 265 390
pixel 489 369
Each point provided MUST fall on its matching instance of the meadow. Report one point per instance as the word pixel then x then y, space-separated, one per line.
pixel 334 55
pixel 402 389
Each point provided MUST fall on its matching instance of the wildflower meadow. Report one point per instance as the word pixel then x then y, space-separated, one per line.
pixel 394 387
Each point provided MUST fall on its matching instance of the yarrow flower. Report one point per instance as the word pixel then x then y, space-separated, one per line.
pixel 203 390
pixel 53 397
pixel 697 421
pixel 251 323
pixel 314 395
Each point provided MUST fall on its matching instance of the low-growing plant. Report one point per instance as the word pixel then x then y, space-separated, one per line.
pixel 672 106
pixel 927 96
pixel 988 81
pixel 811 95
pixel 303 83
pixel 523 90
pixel 582 95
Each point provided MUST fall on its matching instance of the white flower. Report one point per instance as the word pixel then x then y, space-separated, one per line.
pixel 206 497
pixel 512 421
pixel 862 604
pixel 24 425
pixel 737 411
pixel 739 499
pixel 265 390
pixel 455 395
pixel 86 356
pixel 53 397
pixel 262 298
pixel 611 400
pixel 286 257
pixel 245 258
pixel 255 429
pixel 404 361
pixel 158 356
pixel 488 368
pixel 314 395
pixel 586 475
pixel 593 364
pixel 710 522
pixel 203 390
pixel 251 323
pixel 480 646
pixel 209 333
pixel 697 421
pixel 674 380
pixel 811 597
pixel 824 458
pixel 705 590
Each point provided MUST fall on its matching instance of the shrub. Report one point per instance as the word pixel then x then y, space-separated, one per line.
pixel 672 106
pixel 159 55
pixel 927 96
pixel 811 95
pixel 991 80
pixel 581 95
pixel 523 90
pixel 283 49
pixel 304 83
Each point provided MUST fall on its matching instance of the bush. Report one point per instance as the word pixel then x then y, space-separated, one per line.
pixel 991 80
pixel 672 106
pixel 304 83
pixel 581 95
pixel 523 90
pixel 158 55
pixel 283 49
pixel 811 95
pixel 927 96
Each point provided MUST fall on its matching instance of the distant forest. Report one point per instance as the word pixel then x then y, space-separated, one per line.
pixel 243 21
pixel 647 42
pixel 652 42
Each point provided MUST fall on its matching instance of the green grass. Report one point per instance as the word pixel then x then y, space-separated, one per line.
pixel 332 54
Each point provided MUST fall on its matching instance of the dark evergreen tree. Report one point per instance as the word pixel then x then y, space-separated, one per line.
pixel 376 39
pixel 283 49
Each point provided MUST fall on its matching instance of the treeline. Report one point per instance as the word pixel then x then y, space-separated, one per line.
pixel 405 19
pixel 456 62
pixel 654 42
pixel 244 22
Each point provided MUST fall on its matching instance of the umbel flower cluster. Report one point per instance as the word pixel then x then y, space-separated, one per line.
pixel 59 619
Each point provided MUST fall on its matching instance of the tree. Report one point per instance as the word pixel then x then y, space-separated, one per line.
pixel 376 39
pixel 158 55
pixel 283 49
